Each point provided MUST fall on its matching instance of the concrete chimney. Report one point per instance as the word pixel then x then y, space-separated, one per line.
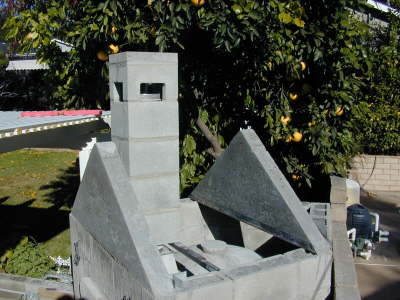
pixel 145 126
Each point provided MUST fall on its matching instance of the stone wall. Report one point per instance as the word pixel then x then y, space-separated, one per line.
pixel 376 172
pixel 345 286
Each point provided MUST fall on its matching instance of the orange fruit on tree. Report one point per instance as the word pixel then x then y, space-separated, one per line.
pixel 297 136
pixel 101 55
pixel 198 3
pixel 113 29
pixel 285 120
pixel 339 111
pixel 310 124
pixel 114 49
pixel 293 96
pixel 153 30
pixel 295 177
pixel 288 140
pixel 303 65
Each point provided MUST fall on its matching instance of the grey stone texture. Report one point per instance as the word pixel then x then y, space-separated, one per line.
pixel 185 224
pixel 345 286
pixel 129 227
pixel 253 237
pixel 107 209
pixel 115 256
pixel 146 129
pixel 153 67
pixel 246 184
pixel 295 275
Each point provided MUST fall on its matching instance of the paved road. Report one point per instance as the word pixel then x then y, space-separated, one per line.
pixel 379 277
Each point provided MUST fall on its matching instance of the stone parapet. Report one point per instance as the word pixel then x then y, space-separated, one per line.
pixel 344 283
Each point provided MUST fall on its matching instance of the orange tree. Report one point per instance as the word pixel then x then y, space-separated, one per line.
pixel 377 117
pixel 291 70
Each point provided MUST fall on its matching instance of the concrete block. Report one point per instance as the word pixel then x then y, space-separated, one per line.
pixel 145 119
pixel 99 266
pixel 126 286
pixel 246 184
pixel 342 251
pixel 118 75
pixel 158 192
pixel 364 171
pixel 381 176
pixel 144 67
pixel 149 158
pixel 369 187
pixel 381 182
pixel 12 284
pixel 347 293
pixel 364 176
pixel 395 166
pixel 184 224
pixel 338 212
pixel 313 274
pixel 339 231
pixel 352 192
pixel 253 237
pixel 164 227
pixel 378 171
pixel 90 289
pixel 369 159
pixel 208 286
pixel 391 160
pixel 107 208
pixel 253 283
pixel 338 190
pixel 394 188
pixel 194 229
pixel 345 274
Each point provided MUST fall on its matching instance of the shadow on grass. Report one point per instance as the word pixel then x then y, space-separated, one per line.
pixel 42 224
pixel 62 191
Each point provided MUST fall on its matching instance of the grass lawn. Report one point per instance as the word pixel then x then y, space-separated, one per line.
pixel 37 189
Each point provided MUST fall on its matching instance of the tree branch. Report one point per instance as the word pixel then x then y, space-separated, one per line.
pixel 216 149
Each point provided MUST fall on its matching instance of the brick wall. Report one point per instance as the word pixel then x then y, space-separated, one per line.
pixel 376 172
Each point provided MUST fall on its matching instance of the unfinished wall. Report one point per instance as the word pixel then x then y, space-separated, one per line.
pixel 376 172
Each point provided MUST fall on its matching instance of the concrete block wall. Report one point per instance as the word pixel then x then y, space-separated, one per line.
pixel 145 127
pixel 376 172
pixel 292 276
pixel 345 286
pixel 111 280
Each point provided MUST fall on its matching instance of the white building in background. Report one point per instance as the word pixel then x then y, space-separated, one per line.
pixel 29 61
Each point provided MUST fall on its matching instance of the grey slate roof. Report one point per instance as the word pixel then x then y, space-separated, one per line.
pixel 12 124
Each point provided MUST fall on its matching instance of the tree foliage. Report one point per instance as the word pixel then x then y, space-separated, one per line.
pixel 27 259
pixel 377 117
pixel 294 71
